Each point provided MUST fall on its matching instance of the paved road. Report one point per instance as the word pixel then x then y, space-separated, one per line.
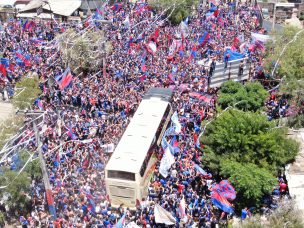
pixel 6 110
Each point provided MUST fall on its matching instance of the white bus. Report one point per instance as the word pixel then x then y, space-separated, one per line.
pixel 130 168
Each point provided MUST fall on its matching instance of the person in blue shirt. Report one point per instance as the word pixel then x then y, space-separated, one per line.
pixel 244 213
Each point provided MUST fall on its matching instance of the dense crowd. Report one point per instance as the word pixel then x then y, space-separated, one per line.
pixel 95 109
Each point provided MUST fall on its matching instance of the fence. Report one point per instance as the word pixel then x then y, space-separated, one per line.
pixel 235 70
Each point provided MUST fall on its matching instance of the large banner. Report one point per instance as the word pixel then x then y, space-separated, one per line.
pixel 166 162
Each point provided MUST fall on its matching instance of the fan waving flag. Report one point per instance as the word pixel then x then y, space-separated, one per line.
pixel 65 80
pixel 221 202
pixel 203 39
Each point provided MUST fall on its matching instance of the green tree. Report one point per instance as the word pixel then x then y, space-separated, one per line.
pixel 247 138
pixel 29 87
pixel 16 190
pixel 177 9
pixel 250 96
pixel 291 63
pixel 33 168
pixel 83 52
pixel 290 68
pixel 247 149
pixel 250 181
pixel 18 185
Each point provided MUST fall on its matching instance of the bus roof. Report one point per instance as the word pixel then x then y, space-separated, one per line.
pixel 138 137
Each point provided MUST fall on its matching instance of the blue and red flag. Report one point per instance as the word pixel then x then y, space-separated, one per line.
pixel 116 7
pixel 221 202
pixel 204 39
pixel 65 79
pixel 23 59
pixel 24 26
pixel 259 44
pixel 140 7
pixel 5 62
pixel 227 190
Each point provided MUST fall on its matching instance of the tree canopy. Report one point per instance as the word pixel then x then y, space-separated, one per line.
pixel 250 181
pixel 18 184
pixel 250 96
pixel 177 9
pixel 291 63
pixel 290 68
pixel 247 148
pixel 83 51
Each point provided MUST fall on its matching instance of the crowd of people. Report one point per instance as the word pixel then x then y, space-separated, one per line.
pixel 94 109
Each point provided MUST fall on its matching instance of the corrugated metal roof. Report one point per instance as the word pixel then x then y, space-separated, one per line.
pixel 60 7
pixel 91 4
pixel 34 15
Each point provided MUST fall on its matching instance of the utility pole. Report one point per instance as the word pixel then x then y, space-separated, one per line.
pixel 103 47
pixel 45 176
pixel 104 53
pixel 274 15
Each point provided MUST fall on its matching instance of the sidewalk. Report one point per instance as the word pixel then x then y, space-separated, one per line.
pixel 6 110
pixel 295 172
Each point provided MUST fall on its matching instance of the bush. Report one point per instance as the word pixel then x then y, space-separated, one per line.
pixel 248 97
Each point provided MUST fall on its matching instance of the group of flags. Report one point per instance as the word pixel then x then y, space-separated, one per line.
pixel 21 60
pixel 28 26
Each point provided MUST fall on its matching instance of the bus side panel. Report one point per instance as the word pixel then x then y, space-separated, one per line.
pixel 144 183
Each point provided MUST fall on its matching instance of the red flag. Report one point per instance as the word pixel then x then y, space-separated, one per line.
pixel 3 70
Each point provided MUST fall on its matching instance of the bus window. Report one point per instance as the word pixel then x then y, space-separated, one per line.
pixel 146 161
pixel 121 175
pixel 161 125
